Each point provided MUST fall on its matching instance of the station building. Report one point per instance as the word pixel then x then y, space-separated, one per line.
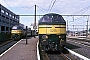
pixel 8 19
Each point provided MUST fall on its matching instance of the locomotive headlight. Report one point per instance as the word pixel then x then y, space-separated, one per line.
pixel 59 36
pixel 44 37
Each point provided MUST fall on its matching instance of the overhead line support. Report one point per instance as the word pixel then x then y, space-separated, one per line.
pixel 61 15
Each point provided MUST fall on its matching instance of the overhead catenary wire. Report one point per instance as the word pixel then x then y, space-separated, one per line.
pixel 26 9
pixel 42 15
pixel 52 6
pixel 83 10
pixel 7 4
pixel 40 8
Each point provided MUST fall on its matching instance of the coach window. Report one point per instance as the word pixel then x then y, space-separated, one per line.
pixel 15 17
pixel 10 15
pixel 2 11
pixel 6 13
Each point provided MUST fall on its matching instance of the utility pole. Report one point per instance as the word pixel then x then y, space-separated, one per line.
pixel 67 28
pixel 26 34
pixel 73 30
pixel 35 15
pixel 87 27
pixel 35 21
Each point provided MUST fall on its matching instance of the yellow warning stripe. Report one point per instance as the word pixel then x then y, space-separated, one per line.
pixel 52 25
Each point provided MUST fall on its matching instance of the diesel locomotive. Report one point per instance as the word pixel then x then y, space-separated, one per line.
pixel 52 32
pixel 17 32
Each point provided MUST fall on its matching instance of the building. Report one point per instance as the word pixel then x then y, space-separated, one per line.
pixel 7 19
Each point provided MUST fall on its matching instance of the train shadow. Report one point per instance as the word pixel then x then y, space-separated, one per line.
pixel 65 51
pixel 71 46
pixel 53 52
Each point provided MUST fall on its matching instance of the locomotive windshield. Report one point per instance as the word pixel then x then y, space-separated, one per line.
pixel 52 18
pixel 14 27
pixel 17 27
pixel 46 19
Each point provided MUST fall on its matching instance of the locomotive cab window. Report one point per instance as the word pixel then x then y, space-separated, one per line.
pixel 14 27
pixel 58 18
pixel 17 27
pixel 45 19
pixel 52 19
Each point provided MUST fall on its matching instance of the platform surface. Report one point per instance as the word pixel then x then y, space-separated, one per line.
pixel 22 51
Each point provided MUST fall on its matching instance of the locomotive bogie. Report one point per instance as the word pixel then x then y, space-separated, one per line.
pixel 51 42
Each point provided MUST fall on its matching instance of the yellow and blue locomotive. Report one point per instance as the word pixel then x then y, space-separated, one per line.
pixel 17 32
pixel 52 32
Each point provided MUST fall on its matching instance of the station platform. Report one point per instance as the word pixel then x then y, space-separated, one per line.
pixel 22 51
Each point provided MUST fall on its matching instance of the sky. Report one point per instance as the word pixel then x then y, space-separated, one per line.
pixel 62 7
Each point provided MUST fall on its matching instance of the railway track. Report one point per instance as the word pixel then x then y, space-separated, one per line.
pixel 80 42
pixel 7 44
pixel 79 39
pixel 69 56
pixel 56 56
pixel 4 43
pixel 4 46
pixel 81 47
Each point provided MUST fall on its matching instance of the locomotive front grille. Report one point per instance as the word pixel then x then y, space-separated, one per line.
pixel 53 38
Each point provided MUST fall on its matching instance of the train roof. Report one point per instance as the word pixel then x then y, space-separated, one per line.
pixel 17 27
pixel 52 18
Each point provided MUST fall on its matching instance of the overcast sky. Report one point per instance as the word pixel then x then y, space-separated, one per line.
pixel 63 7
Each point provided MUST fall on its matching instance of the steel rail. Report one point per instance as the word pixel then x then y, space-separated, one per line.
pixel 66 57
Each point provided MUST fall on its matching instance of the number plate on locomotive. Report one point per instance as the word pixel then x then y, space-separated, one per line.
pixel 53 30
